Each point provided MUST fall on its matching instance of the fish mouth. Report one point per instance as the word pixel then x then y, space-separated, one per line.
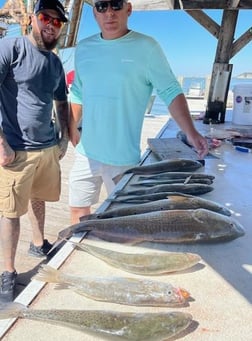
pixel 184 294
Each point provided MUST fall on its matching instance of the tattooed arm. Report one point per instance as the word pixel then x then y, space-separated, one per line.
pixel 62 114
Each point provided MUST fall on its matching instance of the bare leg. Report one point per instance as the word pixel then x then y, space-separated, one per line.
pixel 36 213
pixel 9 235
pixel 117 178
pixel 77 212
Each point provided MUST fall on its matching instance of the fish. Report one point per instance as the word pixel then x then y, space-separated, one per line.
pixel 177 175
pixel 175 165
pixel 144 198
pixel 154 182
pixel 108 324
pixel 169 226
pixel 172 202
pixel 146 263
pixel 120 290
pixel 193 189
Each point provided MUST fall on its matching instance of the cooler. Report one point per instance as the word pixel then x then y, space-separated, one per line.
pixel 242 108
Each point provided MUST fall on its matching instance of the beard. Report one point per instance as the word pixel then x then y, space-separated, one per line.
pixel 42 43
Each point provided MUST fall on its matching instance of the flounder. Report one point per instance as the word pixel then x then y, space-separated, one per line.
pixel 146 263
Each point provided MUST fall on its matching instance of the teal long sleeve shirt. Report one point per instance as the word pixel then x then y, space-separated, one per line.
pixel 114 80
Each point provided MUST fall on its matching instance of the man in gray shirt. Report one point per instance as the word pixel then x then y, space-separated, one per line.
pixel 32 80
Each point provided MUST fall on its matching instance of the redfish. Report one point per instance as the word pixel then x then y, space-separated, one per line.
pixel 172 202
pixel 170 226
pixel 107 324
pixel 120 290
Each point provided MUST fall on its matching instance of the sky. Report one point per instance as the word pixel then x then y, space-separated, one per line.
pixel 190 48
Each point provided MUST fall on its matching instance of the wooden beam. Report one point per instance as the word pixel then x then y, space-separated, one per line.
pixel 233 3
pixel 204 20
pixel 146 5
pixel 213 4
pixel 224 47
pixel 70 31
pixel 153 4
pixel 222 70
pixel 243 40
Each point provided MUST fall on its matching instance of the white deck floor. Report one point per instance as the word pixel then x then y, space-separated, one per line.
pixel 221 285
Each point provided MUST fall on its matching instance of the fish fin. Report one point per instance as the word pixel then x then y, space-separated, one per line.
pixel 74 244
pixel 187 180
pixel 11 310
pixel 177 197
pixel 179 194
pixel 62 286
pixel 48 274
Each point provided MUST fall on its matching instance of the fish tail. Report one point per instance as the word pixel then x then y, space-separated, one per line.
pixel 66 233
pixel 49 274
pixel 88 217
pixel 76 244
pixel 11 310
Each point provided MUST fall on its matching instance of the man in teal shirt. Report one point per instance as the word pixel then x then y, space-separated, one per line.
pixel 115 74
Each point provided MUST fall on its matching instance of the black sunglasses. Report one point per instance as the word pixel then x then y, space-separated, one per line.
pixel 102 6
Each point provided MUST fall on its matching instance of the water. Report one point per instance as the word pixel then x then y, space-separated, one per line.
pixel 159 108
pixel 14 30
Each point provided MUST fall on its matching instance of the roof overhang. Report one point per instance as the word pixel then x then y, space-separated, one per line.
pixel 144 5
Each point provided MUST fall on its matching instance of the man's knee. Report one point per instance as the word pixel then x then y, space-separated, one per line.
pixel 78 212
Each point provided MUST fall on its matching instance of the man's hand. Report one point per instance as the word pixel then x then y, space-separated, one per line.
pixel 74 135
pixel 7 154
pixel 199 143
pixel 63 144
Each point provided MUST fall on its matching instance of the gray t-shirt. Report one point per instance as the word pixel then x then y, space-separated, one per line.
pixel 30 79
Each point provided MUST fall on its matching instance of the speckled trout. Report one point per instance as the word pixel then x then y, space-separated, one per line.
pixel 177 165
pixel 120 290
pixel 107 324
pixel 144 198
pixel 193 189
pixel 177 175
pixel 154 182
pixel 172 202
pixel 170 226
pixel 146 263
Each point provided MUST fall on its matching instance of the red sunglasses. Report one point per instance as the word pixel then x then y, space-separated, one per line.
pixel 47 19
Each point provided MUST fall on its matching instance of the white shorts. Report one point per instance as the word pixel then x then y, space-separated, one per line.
pixel 86 179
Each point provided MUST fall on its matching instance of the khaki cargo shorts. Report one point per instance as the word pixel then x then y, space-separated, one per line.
pixel 32 175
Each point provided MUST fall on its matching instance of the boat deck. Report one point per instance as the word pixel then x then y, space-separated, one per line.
pixel 220 285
